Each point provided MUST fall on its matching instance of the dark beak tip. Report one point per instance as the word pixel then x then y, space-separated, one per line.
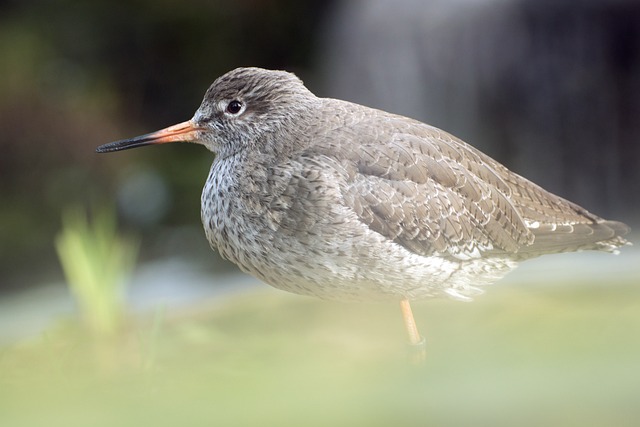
pixel 106 148
pixel 124 144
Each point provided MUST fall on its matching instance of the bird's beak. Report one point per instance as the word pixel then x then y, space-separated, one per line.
pixel 185 132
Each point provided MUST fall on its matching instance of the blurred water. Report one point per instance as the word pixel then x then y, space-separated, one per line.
pixel 172 283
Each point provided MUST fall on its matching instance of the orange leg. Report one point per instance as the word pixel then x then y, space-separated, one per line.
pixel 417 343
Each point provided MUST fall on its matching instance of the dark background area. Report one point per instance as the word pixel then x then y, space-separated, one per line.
pixel 551 89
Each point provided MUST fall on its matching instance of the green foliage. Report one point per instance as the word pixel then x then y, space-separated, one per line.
pixel 96 262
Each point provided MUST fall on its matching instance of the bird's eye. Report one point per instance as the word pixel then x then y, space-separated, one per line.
pixel 234 107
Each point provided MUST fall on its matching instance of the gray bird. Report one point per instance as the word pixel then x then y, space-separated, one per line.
pixel 332 199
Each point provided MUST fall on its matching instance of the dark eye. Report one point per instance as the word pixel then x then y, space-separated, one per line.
pixel 234 107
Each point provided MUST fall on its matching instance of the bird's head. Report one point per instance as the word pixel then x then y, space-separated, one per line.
pixel 244 108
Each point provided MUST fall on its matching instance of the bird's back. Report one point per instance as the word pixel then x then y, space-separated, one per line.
pixel 433 193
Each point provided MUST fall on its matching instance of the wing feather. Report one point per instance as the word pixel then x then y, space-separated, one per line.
pixel 433 193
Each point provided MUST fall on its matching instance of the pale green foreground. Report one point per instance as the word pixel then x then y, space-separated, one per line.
pixel 560 355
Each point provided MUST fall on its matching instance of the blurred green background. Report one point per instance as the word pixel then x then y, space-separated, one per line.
pixel 137 321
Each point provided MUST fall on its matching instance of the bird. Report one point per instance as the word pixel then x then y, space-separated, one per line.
pixel 328 198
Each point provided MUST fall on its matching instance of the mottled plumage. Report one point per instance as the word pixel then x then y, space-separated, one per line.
pixel 333 199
